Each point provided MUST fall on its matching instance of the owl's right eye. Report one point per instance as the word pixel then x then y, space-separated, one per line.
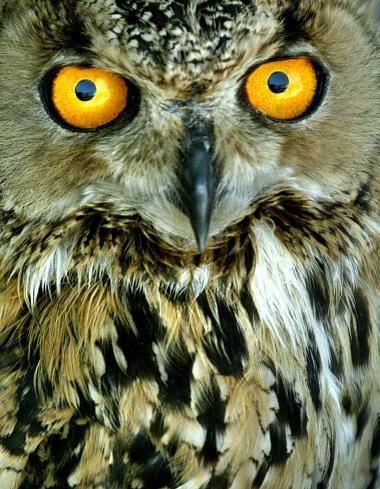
pixel 87 98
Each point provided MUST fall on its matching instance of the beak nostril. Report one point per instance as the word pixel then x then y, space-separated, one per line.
pixel 198 179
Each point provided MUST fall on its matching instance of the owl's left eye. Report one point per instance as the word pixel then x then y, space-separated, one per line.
pixel 87 98
pixel 284 90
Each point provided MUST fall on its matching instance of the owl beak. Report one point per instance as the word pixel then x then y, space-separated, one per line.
pixel 198 179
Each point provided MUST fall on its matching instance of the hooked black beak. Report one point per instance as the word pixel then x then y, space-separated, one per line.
pixel 198 179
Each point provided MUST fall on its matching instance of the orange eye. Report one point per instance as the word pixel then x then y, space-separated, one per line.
pixel 283 90
pixel 88 98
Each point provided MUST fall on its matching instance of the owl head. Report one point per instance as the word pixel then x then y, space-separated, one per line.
pixel 184 124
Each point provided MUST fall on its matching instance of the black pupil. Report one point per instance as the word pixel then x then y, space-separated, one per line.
pixel 278 82
pixel 85 90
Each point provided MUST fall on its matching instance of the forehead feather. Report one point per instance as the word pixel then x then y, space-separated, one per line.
pixel 160 24
pixel 193 33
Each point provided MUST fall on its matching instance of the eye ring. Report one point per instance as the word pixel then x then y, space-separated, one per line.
pixel 82 92
pixel 311 106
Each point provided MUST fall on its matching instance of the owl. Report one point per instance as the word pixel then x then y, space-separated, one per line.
pixel 189 244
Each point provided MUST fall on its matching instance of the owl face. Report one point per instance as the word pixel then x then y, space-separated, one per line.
pixel 192 142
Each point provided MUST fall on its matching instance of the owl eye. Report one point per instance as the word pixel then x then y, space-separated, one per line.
pixel 284 90
pixel 87 98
